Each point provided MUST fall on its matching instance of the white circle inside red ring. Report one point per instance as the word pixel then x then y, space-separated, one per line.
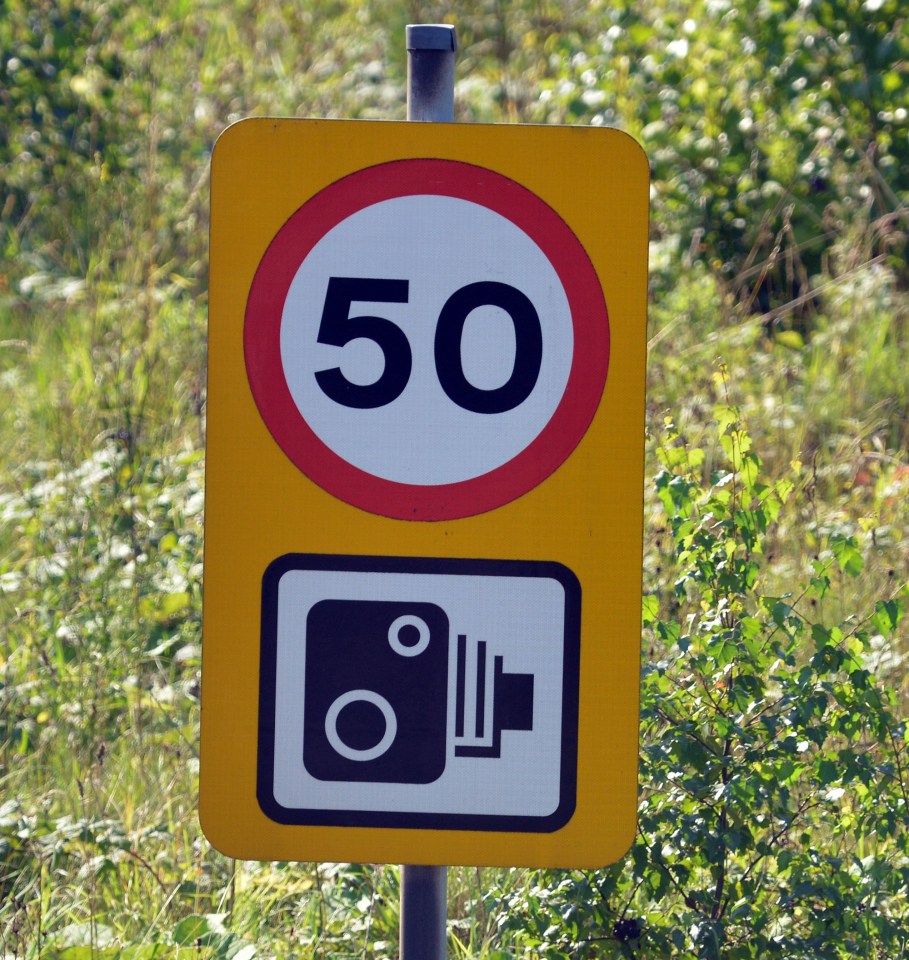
pixel 439 245
pixel 520 214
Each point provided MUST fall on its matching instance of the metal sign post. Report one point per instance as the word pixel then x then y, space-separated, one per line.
pixel 430 72
pixel 423 912
pixel 430 98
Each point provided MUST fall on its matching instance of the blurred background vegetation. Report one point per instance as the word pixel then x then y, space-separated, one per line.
pixel 778 134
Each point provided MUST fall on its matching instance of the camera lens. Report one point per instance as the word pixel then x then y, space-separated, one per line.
pixel 353 700
pixel 408 636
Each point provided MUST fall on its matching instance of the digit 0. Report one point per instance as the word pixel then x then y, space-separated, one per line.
pixel 528 354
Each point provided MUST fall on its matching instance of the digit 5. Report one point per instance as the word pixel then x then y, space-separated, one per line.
pixel 337 328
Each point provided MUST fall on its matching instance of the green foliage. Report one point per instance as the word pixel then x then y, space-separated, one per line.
pixel 773 764
pixel 84 120
pixel 776 131
pixel 774 777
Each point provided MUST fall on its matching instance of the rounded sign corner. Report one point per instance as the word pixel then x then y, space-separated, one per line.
pixel 225 841
pixel 279 566
pixel 234 130
pixel 636 151
pixel 563 813
pixel 565 576
pixel 271 808
pixel 620 844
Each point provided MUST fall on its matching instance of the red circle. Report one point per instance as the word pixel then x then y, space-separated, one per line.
pixel 464 181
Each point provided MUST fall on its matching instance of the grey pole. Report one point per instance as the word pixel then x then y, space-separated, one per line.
pixel 430 97
pixel 424 910
pixel 430 72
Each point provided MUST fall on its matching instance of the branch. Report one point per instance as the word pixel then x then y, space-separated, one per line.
pixel 718 905
pixel 803 808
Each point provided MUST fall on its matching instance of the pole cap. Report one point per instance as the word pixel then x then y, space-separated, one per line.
pixel 431 36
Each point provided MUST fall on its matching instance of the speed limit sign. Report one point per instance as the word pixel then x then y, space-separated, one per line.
pixel 423 495
pixel 426 339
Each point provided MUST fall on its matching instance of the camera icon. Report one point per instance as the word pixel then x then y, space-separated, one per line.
pixel 376 693
pixel 404 691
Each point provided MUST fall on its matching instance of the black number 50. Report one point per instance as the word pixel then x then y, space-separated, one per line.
pixel 338 328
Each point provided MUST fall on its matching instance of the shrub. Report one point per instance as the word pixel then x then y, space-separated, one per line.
pixel 773 768
pixel 776 131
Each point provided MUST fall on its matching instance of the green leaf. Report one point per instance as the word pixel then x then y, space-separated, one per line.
pixel 892 81
pixel 791 339
pixel 169 542
pixel 165 606
pixel 828 772
pixel 650 608
pixel 726 416
pixel 887 615
pixel 205 927
pixel 846 551
pixel 821 636
pixel 88 935
pixel 751 467
pixel 245 951
pixel 779 613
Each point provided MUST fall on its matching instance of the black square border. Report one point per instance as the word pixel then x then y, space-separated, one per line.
pixel 417 565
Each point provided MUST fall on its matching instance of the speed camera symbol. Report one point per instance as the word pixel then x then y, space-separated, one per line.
pixel 376 693
pixel 405 691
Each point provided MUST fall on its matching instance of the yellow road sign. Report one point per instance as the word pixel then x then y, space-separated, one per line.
pixel 423 494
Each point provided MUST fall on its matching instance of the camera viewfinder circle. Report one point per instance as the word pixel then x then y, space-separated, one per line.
pixel 402 646
pixel 353 753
